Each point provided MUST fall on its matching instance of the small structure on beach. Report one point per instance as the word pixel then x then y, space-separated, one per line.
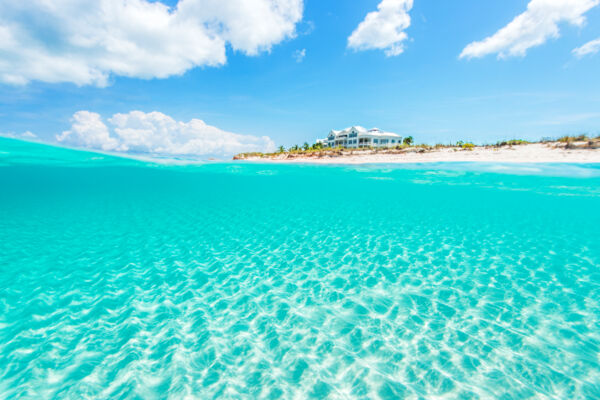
pixel 358 137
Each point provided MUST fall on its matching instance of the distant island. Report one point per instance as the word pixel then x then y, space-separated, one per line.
pixel 357 145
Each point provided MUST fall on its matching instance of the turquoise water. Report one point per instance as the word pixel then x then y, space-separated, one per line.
pixel 126 279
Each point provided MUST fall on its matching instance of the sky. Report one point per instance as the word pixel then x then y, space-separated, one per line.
pixel 218 77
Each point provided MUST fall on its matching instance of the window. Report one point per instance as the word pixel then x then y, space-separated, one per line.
pixel 375 140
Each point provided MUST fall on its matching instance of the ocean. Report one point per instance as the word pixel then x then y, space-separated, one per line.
pixel 132 279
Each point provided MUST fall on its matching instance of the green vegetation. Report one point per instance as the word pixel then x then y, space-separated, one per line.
pixel 407 145
pixel 514 142
pixel 569 139
pixel 249 155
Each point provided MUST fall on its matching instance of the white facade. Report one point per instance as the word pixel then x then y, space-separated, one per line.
pixel 356 137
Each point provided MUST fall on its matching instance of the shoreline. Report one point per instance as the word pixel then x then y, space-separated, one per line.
pixel 524 153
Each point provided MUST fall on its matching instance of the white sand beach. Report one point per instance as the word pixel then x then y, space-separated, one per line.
pixel 527 153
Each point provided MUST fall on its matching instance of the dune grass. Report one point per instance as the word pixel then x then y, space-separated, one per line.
pixel 408 145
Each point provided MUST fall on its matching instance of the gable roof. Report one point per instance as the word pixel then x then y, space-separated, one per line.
pixel 360 130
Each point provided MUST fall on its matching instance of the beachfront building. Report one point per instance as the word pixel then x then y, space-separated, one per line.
pixel 357 137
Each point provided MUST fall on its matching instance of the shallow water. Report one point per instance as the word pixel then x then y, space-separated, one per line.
pixel 127 279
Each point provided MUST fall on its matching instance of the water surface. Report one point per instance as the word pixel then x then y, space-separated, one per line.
pixel 127 279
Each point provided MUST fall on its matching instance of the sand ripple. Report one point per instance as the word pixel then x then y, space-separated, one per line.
pixel 297 282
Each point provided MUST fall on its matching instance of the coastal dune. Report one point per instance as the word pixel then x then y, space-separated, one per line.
pixel 551 152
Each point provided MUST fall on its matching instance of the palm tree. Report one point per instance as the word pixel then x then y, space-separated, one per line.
pixel 408 141
pixel 281 149
pixel 306 146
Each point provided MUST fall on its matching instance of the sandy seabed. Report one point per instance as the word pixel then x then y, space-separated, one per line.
pixel 530 153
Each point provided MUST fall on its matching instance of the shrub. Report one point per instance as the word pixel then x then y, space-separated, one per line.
pixel 468 146
pixel 568 139
pixel 241 156
pixel 514 142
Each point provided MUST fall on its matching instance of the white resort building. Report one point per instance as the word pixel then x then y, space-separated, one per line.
pixel 357 137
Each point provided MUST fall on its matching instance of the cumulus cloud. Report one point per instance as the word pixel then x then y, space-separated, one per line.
pixel 589 48
pixel 88 130
pixel 157 134
pixel 383 29
pixel 534 27
pixel 86 42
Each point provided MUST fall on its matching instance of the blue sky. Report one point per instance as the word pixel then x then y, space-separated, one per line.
pixel 427 91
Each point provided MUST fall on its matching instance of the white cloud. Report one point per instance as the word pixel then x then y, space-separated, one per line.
pixel 85 42
pixel 299 55
pixel 534 27
pixel 383 29
pixel 158 134
pixel 25 135
pixel 589 48
pixel 88 130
